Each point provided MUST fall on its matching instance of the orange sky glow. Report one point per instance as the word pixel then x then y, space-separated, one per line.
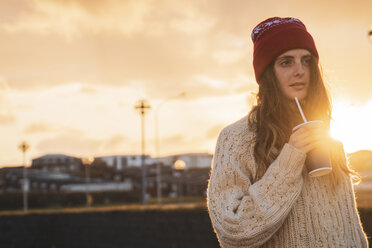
pixel 71 72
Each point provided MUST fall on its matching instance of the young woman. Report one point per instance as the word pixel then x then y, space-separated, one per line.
pixel 260 193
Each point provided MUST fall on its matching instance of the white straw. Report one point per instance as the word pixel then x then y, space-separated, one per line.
pixel 299 108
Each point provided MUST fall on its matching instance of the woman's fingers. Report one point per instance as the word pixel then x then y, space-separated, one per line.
pixel 313 145
pixel 310 128
pixel 304 143
pixel 308 137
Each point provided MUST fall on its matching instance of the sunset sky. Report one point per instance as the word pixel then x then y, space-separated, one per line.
pixel 71 71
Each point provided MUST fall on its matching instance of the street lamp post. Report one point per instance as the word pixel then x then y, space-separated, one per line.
pixel 143 107
pixel 87 161
pixel 180 165
pixel 158 165
pixel 24 146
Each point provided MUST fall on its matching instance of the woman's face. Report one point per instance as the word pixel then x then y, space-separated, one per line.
pixel 292 70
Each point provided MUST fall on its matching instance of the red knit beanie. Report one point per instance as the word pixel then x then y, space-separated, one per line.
pixel 275 36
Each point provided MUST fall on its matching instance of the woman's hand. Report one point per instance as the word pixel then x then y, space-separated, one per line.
pixel 308 136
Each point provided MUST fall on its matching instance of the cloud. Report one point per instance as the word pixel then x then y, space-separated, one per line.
pixel 100 51
pixel 164 68
pixel 75 141
pixel 227 56
pixel 70 18
pixel 180 143
pixel 4 85
pixel 119 144
pixel 6 111
pixel 38 127
pixel 191 20
pixel 115 141
pixel 166 45
pixel 70 142
pixel 11 10
pixel 88 90
pixel 174 144
pixel 7 119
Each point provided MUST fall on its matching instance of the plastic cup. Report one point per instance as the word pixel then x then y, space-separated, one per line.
pixel 318 162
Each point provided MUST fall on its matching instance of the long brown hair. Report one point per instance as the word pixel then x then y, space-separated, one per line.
pixel 273 117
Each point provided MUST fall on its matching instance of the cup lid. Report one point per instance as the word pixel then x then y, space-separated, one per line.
pixel 305 123
pixel 320 172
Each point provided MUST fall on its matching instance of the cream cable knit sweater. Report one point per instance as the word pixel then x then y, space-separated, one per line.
pixel 286 207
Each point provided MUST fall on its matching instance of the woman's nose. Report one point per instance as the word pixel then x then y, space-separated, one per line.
pixel 299 69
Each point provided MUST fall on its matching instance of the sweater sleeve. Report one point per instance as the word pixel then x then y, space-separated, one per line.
pixel 246 214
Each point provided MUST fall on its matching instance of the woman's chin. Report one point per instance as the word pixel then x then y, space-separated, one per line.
pixel 299 95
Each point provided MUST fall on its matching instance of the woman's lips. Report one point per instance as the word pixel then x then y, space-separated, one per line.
pixel 298 86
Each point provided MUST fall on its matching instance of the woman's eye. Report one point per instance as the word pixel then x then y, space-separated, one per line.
pixel 307 61
pixel 285 63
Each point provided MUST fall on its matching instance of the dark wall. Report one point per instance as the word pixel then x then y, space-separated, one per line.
pixel 172 228
pixel 13 201
pixel 130 228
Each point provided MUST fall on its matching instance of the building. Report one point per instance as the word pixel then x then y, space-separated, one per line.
pixel 126 185
pixel 57 163
pixel 62 173
pixel 192 160
pixel 121 162
pixel 191 179
pixel 11 179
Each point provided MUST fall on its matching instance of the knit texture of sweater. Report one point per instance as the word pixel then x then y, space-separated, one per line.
pixel 286 207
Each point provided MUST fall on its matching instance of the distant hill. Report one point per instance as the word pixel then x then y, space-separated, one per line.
pixel 361 161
